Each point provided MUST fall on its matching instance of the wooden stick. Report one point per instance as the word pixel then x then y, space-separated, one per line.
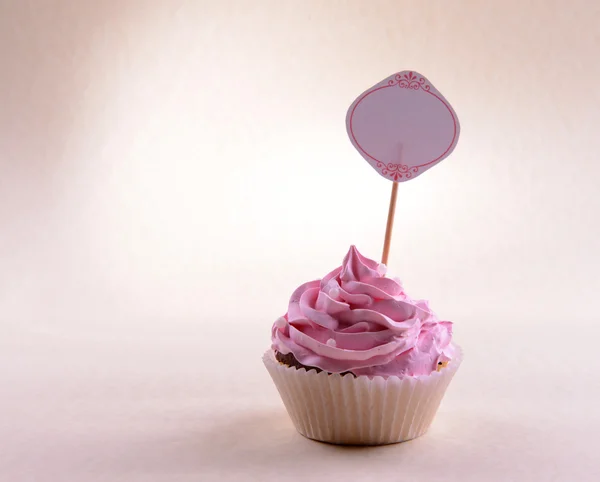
pixel 390 224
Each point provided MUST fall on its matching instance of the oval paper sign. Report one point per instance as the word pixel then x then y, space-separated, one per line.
pixel 402 126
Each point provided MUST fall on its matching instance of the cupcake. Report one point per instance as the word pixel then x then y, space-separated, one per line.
pixel 357 361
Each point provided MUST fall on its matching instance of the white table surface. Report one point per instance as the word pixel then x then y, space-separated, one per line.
pixel 162 400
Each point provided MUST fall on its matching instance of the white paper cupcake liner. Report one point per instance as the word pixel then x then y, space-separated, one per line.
pixel 351 410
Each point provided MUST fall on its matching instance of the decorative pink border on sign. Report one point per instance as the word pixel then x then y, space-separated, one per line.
pixel 405 81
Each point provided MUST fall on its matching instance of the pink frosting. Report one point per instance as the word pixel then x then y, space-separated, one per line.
pixel 356 319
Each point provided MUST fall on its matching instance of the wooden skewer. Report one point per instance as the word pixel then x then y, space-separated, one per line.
pixel 390 224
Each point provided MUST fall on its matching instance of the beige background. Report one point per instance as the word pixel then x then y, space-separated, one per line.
pixel 170 171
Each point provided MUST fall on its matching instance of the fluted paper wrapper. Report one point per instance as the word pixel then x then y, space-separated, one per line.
pixel 351 410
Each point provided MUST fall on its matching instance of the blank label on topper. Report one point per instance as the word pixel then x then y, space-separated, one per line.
pixel 402 126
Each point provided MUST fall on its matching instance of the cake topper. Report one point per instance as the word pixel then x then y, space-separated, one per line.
pixel 402 126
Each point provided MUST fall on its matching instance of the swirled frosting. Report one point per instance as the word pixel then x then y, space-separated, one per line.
pixel 356 319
